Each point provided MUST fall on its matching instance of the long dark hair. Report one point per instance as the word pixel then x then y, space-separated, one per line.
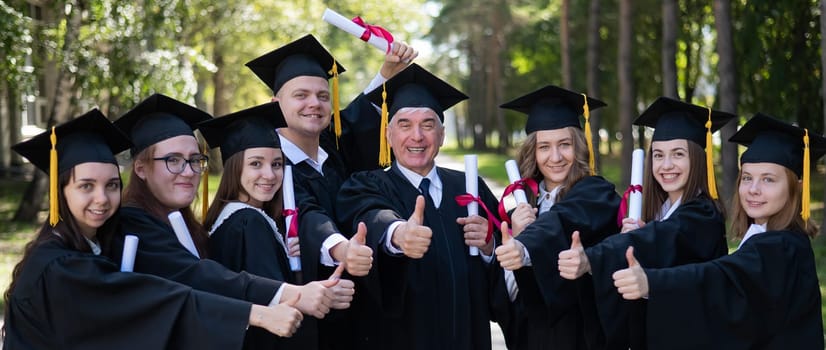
pixel 137 194
pixel 67 231
pixel 230 189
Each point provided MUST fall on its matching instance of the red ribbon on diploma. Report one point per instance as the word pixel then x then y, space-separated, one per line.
pixel 623 209
pixel 370 30
pixel 467 198
pixel 521 184
pixel 292 231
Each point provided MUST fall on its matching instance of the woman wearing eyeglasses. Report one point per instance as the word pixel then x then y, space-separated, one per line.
pixel 166 167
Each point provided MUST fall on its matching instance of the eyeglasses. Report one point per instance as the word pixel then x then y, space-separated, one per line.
pixel 177 164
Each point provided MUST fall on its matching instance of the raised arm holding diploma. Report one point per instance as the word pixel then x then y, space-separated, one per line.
pixel 373 35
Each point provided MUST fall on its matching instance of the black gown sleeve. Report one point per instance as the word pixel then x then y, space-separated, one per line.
pixel 160 253
pixel 72 300
pixel 763 296
pixel 245 241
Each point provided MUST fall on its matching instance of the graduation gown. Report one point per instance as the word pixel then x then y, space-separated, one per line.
pixel 66 299
pixel 245 241
pixel 437 302
pixel 695 232
pixel 159 253
pixel 549 311
pixel 763 296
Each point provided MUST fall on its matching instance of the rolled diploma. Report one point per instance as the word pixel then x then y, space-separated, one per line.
pixel 635 198
pixel 289 203
pixel 130 248
pixel 513 177
pixel 472 187
pixel 351 27
pixel 179 226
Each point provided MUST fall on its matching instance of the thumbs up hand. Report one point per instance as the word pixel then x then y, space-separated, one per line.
pixel 573 263
pixel 632 282
pixel 510 254
pixel 411 237
pixel 341 290
pixel 359 257
pixel 282 319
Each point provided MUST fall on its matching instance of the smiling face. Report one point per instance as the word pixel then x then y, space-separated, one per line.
pixel 261 175
pixel 415 135
pixel 670 166
pixel 173 191
pixel 763 190
pixel 93 195
pixel 554 155
pixel 306 104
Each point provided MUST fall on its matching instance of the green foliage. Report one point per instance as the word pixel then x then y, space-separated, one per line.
pixel 15 45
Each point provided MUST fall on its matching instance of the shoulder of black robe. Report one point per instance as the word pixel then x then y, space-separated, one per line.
pixel 159 253
pixel 245 241
pixel 765 295
pixel 59 287
pixel 695 232
pixel 358 146
pixel 590 207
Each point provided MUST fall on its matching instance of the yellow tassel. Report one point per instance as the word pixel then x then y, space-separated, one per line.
pixel 588 137
pixel 54 216
pixel 712 183
pixel 384 147
pixel 804 212
pixel 336 103
pixel 205 190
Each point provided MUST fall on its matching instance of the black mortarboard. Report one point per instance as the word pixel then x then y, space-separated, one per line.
pixel 90 138
pixel 552 107
pixel 416 87
pixel 770 140
pixel 674 119
pixel 305 56
pixel 158 118
pixel 249 128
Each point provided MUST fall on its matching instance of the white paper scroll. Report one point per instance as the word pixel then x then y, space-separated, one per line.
pixel 513 177
pixel 472 187
pixel 356 30
pixel 179 226
pixel 635 202
pixel 130 248
pixel 288 192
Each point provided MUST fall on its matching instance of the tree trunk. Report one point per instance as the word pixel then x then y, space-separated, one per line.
pixel 669 48
pixel 565 50
pixel 823 86
pixel 592 74
pixel 727 70
pixel 6 131
pixel 60 110
pixel 625 79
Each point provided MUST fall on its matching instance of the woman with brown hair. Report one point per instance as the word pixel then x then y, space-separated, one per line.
pixel 765 295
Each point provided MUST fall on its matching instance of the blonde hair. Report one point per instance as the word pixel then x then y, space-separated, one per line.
pixel 526 158
pixel 788 218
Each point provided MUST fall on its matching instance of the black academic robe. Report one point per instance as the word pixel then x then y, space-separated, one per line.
pixel 159 253
pixel 245 241
pixel 437 302
pixel 65 299
pixel 763 296
pixel 551 312
pixel 695 232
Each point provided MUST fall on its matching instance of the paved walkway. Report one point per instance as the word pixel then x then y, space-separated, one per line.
pixel 458 163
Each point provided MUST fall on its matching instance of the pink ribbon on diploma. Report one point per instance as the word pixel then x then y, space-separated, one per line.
pixel 623 209
pixel 292 231
pixel 467 198
pixel 370 30
pixel 521 184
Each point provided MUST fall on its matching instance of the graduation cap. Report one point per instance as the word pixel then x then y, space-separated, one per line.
pixel 302 57
pixel 157 118
pixel 674 119
pixel 412 87
pixel 249 128
pixel 553 107
pixel 770 140
pixel 89 138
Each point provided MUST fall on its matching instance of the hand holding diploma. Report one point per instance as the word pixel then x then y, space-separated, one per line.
pixel 632 197
pixel 632 282
pixel 376 36
pixel 573 262
pixel 522 216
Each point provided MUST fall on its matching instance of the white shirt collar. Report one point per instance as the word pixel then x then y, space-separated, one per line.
pixel 296 155
pixel 668 208
pixel 92 244
pixel 435 182
pixel 753 230
pixel 547 199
